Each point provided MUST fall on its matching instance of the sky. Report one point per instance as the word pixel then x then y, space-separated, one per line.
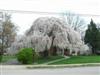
pixel 25 20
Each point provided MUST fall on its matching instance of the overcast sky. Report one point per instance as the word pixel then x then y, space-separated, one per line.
pixel 25 20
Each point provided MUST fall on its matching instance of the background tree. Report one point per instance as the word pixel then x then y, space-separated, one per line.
pixel 8 32
pixel 99 38
pixel 75 21
pixel 92 36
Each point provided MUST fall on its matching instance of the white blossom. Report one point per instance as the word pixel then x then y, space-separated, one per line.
pixel 39 36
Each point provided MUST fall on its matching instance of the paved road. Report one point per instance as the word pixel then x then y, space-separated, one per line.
pixel 60 71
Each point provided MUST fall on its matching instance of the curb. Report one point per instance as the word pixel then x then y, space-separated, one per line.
pixel 48 66
pixel 62 66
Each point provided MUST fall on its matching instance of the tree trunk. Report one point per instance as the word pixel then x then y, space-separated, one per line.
pixel 51 48
pixel 2 45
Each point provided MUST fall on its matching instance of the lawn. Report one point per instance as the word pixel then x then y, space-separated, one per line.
pixel 71 60
pixel 38 61
pixel 44 60
pixel 78 60
pixel 6 58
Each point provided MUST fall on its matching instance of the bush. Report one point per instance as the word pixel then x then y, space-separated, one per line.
pixel 26 56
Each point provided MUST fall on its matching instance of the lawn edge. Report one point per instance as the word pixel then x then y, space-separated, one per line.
pixel 49 66
pixel 62 66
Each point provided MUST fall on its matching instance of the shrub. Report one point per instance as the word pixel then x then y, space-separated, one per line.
pixel 26 56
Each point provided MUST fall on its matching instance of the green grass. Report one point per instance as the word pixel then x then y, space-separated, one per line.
pixel 78 60
pixel 44 60
pixel 6 58
pixel 71 60
pixel 0 58
pixel 39 61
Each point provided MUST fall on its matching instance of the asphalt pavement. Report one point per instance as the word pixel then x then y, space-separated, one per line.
pixel 58 71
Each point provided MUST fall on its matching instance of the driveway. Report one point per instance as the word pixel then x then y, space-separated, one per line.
pixel 60 71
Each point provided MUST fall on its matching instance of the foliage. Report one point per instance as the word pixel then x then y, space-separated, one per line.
pixel 47 33
pixel 92 36
pixel 26 55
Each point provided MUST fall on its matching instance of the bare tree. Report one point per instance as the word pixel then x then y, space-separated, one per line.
pixel 74 21
pixel 8 33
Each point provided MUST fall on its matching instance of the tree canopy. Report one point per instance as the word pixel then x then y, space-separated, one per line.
pixel 46 33
pixel 7 33
pixel 92 36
